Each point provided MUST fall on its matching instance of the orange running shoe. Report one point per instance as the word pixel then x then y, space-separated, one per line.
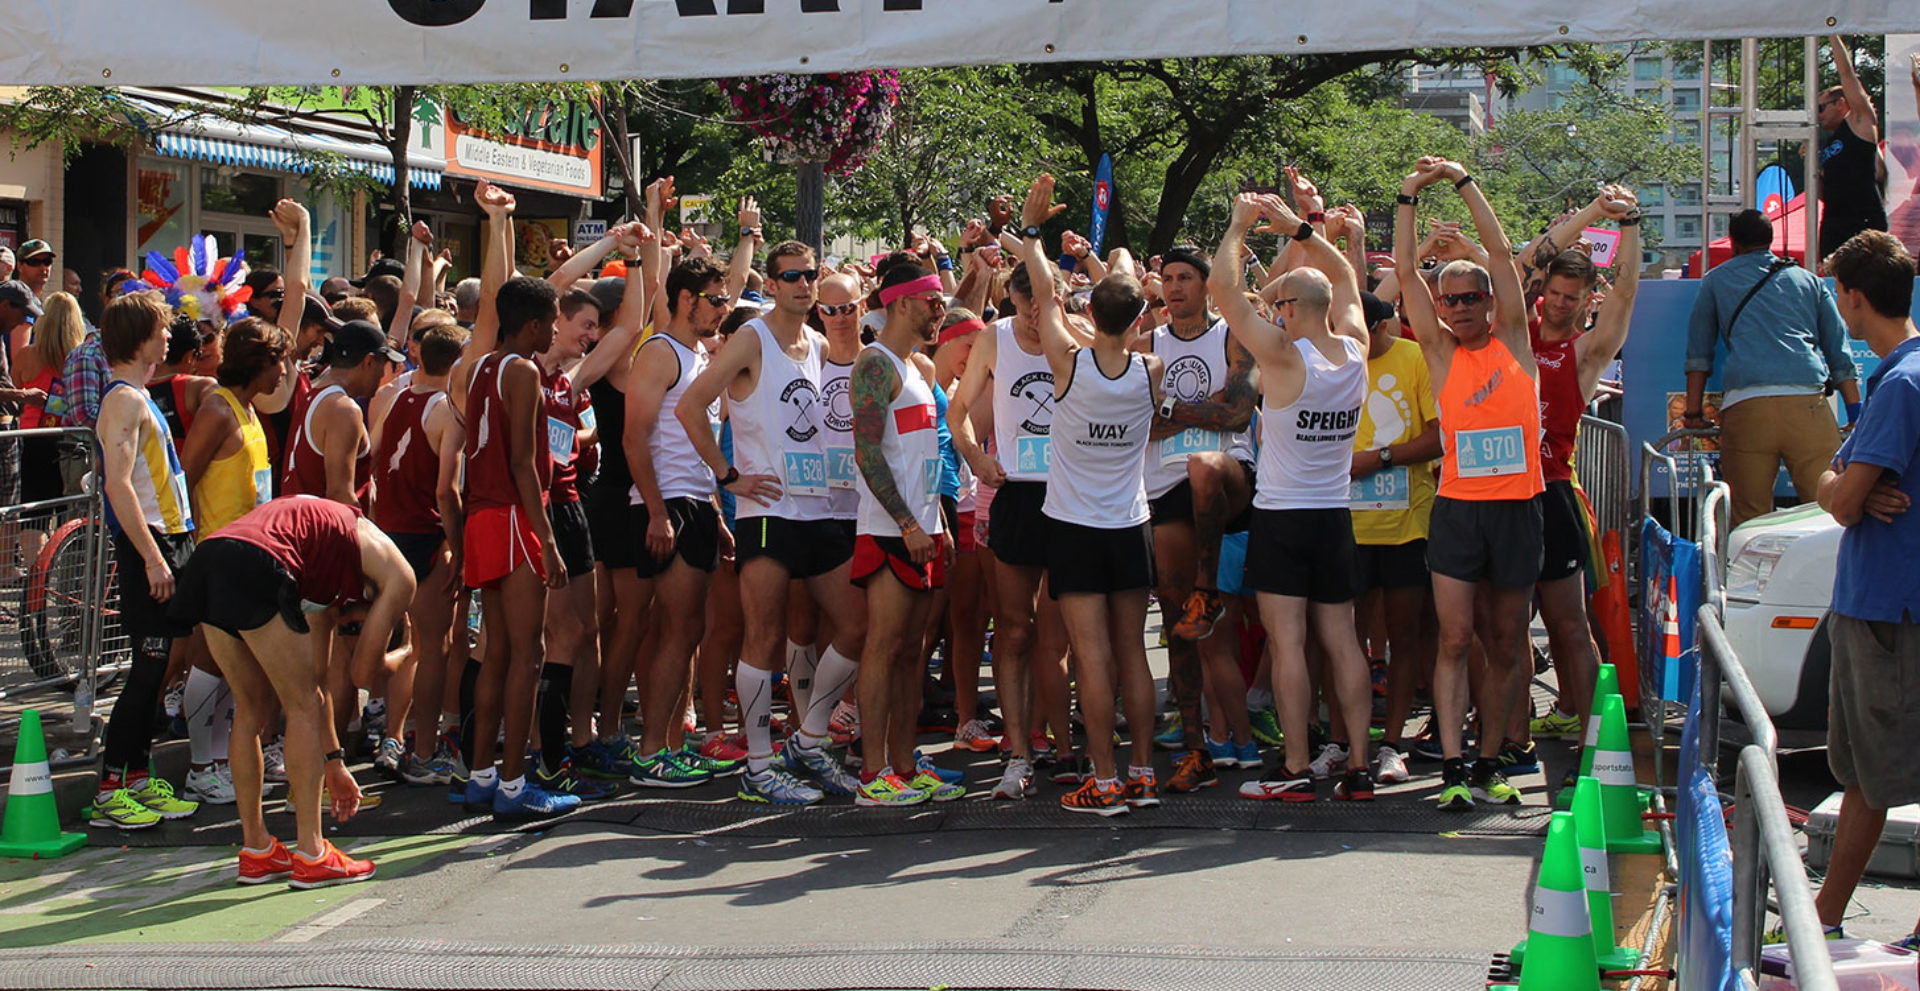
pixel 275 863
pixel 1203 609
pixel 1091 797
pixel 1192 771
pixel 1142 792
pixel 330 868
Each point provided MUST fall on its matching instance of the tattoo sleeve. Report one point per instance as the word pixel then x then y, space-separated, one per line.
pixel 873 386
pixel 1231 409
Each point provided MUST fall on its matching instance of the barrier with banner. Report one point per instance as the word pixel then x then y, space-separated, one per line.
pixel 1670 582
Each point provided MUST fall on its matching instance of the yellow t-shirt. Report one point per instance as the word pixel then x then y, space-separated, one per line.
pixel 1391 506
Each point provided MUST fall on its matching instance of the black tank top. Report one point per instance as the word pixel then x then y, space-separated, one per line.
pixel 170 394
pixel 610 412
pixel 1849 190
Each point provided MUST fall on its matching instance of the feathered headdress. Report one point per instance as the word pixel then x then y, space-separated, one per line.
pixel 198 282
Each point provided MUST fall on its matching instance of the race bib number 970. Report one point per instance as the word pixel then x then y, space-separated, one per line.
pixel 1384 489
pixel 806 474
pixel 1490 452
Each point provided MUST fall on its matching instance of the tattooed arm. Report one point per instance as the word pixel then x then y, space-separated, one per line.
pixel 874 386
pixel 1229 410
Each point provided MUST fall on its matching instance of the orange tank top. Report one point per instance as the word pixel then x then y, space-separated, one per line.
pixel 1490 427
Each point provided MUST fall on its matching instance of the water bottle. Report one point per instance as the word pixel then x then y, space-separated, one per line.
pixel 83 706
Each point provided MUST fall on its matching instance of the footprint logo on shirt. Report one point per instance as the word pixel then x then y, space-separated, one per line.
pixel 1387 411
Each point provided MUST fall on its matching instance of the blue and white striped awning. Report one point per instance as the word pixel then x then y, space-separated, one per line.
pixel 262 146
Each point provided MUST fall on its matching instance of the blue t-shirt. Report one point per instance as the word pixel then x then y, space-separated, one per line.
pixel 949 458
pixel 1875 578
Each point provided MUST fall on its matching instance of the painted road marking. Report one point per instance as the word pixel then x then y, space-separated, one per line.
pixel 331 921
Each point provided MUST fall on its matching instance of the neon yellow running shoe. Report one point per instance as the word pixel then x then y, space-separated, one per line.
pixel 935 789
pixel 156 794
pixel 889 790
pixel 120 810
pixel 1555 724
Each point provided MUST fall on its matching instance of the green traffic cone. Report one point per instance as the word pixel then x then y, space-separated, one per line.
pixel 1619 795
pixel 1591 832
pixel 32 826
pixel 1559 933
pixel 1606 683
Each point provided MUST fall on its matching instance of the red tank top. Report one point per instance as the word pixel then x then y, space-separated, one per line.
pixel 406 469
pixel 563 423
pixel 35 416
pixel 1560 403
pixel 306 467
pixel 489 474
pixel 314 539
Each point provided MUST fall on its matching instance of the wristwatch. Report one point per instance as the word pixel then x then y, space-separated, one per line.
pixel 1386 457
pixel 1166 407
pixel 333 755
pixel 749 231
pixel 1305 231
pixel 1029 233
pixel 732 476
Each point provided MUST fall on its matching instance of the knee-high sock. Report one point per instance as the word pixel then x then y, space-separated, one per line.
pixel 837 671
pixel 755 688
pixel 802 660
pixel 556 687
pixel 222 721
pixel 200 709
pixel 469 680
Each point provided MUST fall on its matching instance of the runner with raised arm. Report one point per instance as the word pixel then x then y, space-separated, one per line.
pixel 1485 531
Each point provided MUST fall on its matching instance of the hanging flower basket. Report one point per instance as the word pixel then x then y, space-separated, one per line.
pixel 833 118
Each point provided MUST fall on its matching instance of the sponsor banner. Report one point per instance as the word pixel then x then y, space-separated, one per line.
pixel 555 147
pixel 455 41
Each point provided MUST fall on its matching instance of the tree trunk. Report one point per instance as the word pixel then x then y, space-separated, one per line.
pixel 399 136
pixel 810 204
pixel 614 126
pixel 1184 175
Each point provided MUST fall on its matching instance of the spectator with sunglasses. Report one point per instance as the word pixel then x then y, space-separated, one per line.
pixel 269 289
pixel 36 264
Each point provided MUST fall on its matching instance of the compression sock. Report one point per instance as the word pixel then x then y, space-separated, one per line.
pixel 802 674
pixel 755 688
pixel 837 671
pixel 556 687
pixel 469 680
pixel 199 708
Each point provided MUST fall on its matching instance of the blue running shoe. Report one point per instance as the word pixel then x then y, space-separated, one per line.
pixel 1248 754
pixel 922 764
pixel 775 786
pixel 478 797
pixel 1223 752
pixel 816 763
pixel 1515 759
pixel 564 782
pixel 533 802
pixel 1174 737
pixel 598 760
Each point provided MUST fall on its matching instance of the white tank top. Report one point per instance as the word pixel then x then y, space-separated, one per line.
pixel 1306 447
pixel 1195 370
pixel 779 429
pixel 1099 458
pixel 1022 407
pixel 843 476
pixel 911 447
pixel 677 467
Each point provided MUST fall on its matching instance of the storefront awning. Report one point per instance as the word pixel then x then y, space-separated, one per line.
pixel 266 146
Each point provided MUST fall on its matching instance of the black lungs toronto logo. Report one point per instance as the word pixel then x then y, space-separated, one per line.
pixel 436 13
pixel 804 411
pixel 1189 379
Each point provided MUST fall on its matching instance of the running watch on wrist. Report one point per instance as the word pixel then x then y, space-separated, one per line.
pixel 1166 408
pixel 1386 456
pixel 732 476
pixel 333 755
pixel 1029 232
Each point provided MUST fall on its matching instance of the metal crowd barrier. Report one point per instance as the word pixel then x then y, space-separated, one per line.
pixel 1765 852
pixel 65 638
pixel 1600 463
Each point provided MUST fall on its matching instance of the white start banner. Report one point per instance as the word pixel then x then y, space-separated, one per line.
pixel 244 42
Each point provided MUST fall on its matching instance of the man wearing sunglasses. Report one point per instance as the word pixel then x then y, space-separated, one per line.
pixel 36 264
pixel 1485 531
pixel 1851 168
pixel 771 373
pixel 837 313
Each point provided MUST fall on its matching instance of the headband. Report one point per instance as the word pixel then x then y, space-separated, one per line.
pixel 961 329
pixel 926 283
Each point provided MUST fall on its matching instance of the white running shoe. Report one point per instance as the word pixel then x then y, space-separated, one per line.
pixel 210 787
pixel 1332 756
pixel 1016 781
pixel 1390 766
pixel 975 736
pixel 273 762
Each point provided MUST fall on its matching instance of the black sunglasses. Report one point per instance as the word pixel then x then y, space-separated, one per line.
pixel 274 294
pixel 1282 302
pixel 41 262
pixel 794 275
pixel 838 309
pixel 1464 298
pixel 716 298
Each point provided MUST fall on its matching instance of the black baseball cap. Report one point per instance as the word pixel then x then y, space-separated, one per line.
pixel 16 292
pixel 1373 309
pixel 355 339
pixel 385 266
pixel 317 311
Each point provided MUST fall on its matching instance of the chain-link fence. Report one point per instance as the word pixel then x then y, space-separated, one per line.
pixel 60 635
